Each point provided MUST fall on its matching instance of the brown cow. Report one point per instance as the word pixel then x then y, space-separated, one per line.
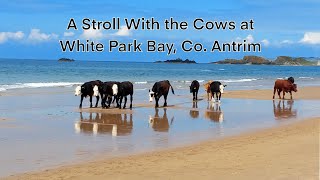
pixel 207 89
pixel 284 86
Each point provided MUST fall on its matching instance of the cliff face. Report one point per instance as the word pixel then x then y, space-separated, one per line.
pixel 286 60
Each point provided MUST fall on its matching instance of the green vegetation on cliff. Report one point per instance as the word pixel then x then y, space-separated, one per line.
pixel 281 60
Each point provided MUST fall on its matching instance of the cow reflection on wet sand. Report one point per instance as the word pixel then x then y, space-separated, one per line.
pixel 158 123
pixel 214 112
pixel 104 123
pixel 284 111
pixel 194 113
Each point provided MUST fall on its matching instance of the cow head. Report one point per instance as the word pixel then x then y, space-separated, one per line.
pixel 294 87
pixel 95 90
pixel 77 91
pixel 221 87
pixel 114 89
pixel 151 95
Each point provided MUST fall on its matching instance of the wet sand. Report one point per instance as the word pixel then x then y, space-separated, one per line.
pixel 287 152
pixel 311 93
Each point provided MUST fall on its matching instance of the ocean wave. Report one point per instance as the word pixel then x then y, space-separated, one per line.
pixel 221 69
pixel 238 80
pixel 306 78
pixel 37 85
pixel 206 70
pixel 141 82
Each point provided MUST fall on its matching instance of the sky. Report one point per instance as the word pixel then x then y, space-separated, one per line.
pixel 31 29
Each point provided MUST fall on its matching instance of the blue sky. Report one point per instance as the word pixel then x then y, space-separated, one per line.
pixel 33 28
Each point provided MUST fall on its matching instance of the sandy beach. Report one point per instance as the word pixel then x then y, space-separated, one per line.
pixel 311 93
pixel 289 151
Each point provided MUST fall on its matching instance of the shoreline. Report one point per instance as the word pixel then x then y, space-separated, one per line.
pixel 288 151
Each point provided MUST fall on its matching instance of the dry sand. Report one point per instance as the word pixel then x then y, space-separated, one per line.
pixel 312 93
pixel 287 152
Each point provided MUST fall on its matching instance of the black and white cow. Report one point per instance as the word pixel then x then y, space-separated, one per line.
pixel 124 89
pixel 88 89
pixel 217 88
pixel 194 88
pixel 160 88
pixel 108 90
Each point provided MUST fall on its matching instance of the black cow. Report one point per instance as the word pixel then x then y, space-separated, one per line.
pixel 160 88
pixel 217 89
pixel 291 79
pixel 88 89
pixel 108 90
pixel 124 89
pixel 194 88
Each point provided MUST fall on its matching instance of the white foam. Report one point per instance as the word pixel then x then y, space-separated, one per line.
pixel 141 82
pixel 37 85
pixel 306 78
pixel 206 70
pixel 239 80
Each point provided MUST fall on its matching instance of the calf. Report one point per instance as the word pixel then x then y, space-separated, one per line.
pixel 285 86
pixel 216 88
pixel 160 88
pixel 88 89
pixel 108 90
pixel 124 89
pixel 194 88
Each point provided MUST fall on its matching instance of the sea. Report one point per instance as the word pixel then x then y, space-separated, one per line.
pixel 24 74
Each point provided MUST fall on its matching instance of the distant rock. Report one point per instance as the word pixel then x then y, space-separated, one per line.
pixel 66 60
pixel 178 61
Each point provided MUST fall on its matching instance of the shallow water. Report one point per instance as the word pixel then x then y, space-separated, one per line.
pixel 43 130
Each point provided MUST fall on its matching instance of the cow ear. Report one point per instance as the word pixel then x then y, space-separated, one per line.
pixel 149 90
pixel 224 85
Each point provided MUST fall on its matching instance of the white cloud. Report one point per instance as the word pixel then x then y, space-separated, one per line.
pixel 92 34
pixel 265 42
pixel 123 31
pixel 311 38
pixel 286 42
pixel 68 34
pixel 249 39
pixel 5 36
pixel 37 36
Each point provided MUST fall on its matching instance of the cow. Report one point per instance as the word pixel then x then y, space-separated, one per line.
pixel 160 123
pixel 217 88
pixel 285 86
pixel 108 90
pixel 160 88
pixel 124 89
pixel 90 89
pixel 207 89
pixel 291 79
pixel 194 88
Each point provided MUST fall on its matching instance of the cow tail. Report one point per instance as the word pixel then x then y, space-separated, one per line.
pixel 171 88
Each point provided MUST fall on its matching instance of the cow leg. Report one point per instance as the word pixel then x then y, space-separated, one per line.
pixel 97 101
pixel 125 102
pixel 120 99
pixel 274 92
pixel 208 96
pixel 283 93
pixel 193 95
pixel 109 101
pixel 81 99
pixel 197 95
pixel 90 101
pixel 131 101
pixel 290 94
pixel 157 100
pixel 165 100
pixel 219 96
pixel 279 91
